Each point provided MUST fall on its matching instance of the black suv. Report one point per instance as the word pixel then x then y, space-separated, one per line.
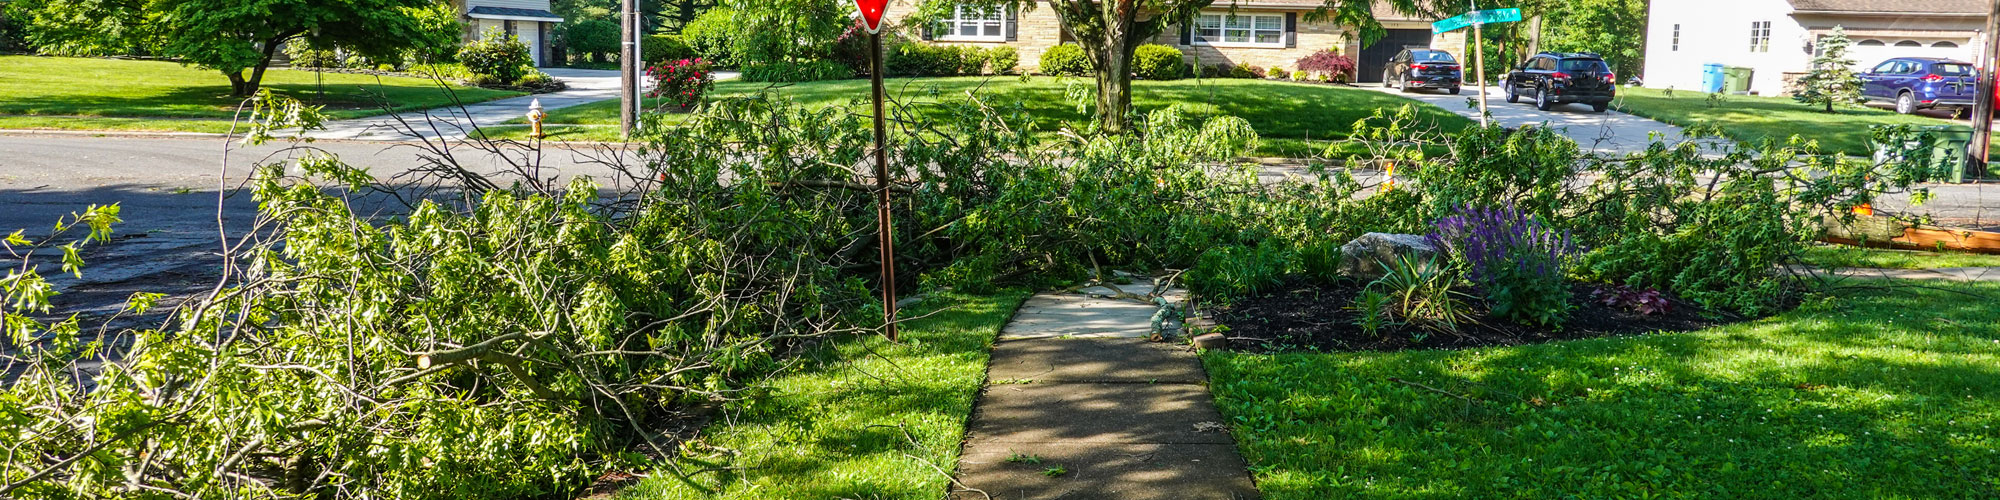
pixel 1423 68
pixel 1554 78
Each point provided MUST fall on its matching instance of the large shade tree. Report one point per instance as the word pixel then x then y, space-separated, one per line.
pixel 235 37
pixel 1110 30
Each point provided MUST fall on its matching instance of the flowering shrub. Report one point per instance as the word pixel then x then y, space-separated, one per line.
pixel 1327 63
pixel 1515 261
pixel 682 82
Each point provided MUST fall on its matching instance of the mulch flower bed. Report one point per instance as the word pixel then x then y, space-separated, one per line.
pixel 1306 316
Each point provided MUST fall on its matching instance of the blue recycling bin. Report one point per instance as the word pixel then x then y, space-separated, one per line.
pixel 1712 77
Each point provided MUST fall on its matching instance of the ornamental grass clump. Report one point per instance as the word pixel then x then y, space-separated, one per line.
pixel 1513 260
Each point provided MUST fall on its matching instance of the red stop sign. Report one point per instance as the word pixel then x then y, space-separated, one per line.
pixel 871 13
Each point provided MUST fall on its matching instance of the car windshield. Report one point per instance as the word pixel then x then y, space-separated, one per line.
pixel 1432 56
pixel 1584 65
pixel 1954 69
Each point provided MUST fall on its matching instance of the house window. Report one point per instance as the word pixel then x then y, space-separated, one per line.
pixel 1760 36
pixel 1909 43
pixel 1945 45
pixel 1246 30
pixel 1872 43
pixel 1677 38
pixel 973 23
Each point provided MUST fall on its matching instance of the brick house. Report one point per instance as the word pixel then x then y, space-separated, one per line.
pixel 530 20
pixel 1262 33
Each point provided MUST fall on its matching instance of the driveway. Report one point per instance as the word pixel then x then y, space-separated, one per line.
pixel 455 122
pixel 1610 132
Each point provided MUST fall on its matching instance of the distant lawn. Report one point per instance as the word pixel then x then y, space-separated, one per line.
pixel 1752 119
pixel 1838 256
pixel 1292 118
pixel 836 426
pixel 1863 395
pixel 109 94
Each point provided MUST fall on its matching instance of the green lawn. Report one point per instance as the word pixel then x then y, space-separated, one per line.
pixel 1751 119
pixel 1866 394
pixel 1837 256
pixel 1289 116
pixel 109 94
pixel 836 427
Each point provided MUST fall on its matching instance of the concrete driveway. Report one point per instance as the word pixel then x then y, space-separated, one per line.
pixel 451 122
pixel 1610 132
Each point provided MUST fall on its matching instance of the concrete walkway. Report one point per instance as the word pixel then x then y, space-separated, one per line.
pixel 1610 132
pixel 1967 274
pixel 1078 405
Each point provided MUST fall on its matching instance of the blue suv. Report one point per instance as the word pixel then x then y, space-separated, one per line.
pixel 1913 83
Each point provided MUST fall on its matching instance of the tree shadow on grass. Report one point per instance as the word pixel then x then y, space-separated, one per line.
pixel 1816 403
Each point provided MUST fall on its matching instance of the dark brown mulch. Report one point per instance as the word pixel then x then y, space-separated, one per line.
pixel 1302 316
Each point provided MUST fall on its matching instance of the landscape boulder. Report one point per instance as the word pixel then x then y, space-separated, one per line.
pixel 1364 257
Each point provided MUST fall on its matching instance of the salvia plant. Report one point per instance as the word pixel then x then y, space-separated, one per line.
pixel 1515 261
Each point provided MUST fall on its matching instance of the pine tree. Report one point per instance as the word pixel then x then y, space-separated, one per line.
pixel 1832 79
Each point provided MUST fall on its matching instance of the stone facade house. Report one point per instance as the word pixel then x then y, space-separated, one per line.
pixel 1775 38
pixel 528 19
pixel 1261 33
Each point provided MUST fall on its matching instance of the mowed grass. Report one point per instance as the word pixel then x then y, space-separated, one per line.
pixel 1865 394
pixel 110 94
pixel 1753 119
pixel 1837 256
pixel 841 422
pixel 1294 119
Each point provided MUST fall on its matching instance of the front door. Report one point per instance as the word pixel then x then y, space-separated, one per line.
pixel 1375 58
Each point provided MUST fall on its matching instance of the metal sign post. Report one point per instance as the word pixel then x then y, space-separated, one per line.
pixel 871 14
pixel 1475 19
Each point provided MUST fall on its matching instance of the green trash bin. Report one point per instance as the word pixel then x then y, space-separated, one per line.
pixel 1736 79
pixel 1947 156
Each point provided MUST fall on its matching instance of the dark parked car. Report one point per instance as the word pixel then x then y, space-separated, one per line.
pixel 1554 78
pixel 1423 68
pixel 1913 83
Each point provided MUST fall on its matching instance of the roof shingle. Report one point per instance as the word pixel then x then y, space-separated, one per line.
pixel 1911 6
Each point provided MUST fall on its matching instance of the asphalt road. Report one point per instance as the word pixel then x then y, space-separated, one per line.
pixel 168 192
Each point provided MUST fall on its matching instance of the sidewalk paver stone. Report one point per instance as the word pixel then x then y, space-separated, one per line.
pixel 1133 472
pixel 1044 361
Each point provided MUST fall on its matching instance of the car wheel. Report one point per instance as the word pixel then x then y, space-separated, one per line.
pixel 1454 91
pixel 1600 107
pixel 1512 96
pixel 1386 82
pixel 1542 99
pixel 1906 103
pixel 1403 84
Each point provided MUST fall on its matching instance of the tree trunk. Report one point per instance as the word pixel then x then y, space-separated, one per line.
pixel 240 87
pixel 1114 66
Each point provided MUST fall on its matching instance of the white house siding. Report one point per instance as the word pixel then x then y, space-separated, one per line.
pixel 529 34
pixel 511 4
pixel 1718 31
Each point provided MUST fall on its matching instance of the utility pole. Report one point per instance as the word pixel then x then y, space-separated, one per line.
pixel 628 57
pixel 1982 109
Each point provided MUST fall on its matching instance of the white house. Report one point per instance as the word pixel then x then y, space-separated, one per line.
pixel 528 19
pixel 1775 37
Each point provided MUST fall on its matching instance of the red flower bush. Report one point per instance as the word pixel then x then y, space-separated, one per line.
pixel 682 82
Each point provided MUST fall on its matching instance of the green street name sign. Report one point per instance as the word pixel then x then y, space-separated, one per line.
pixel 1477 17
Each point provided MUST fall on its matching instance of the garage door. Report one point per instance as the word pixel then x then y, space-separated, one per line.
pixel 1375 57
pixel 530 33
pixel 1868 52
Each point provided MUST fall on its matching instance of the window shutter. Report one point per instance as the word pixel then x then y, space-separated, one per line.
pixel 1291 30
pixel 1187 35
pixel 1013 24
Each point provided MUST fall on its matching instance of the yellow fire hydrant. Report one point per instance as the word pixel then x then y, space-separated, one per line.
pixel 535 116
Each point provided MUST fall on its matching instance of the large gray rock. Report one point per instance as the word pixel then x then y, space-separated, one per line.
pixel 1364 257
